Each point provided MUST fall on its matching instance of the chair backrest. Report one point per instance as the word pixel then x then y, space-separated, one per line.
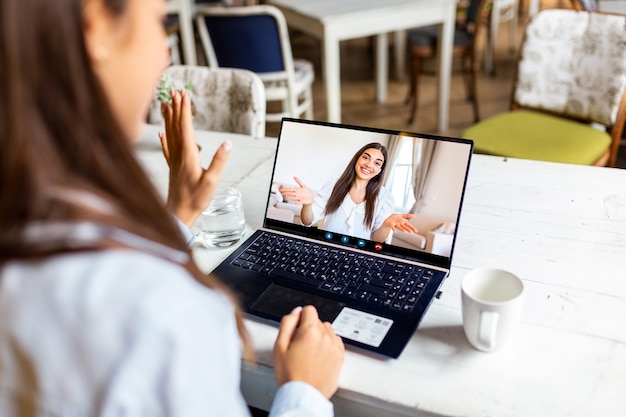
pixel 225 99
pixel 474 9
pixel 573 64
pixel 506 8
pixel 252 37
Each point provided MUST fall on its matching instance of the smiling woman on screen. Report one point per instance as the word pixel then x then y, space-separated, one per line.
pixel 356 204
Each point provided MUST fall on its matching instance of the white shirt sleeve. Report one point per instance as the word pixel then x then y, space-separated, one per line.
pixel 298 399
pixel 320 200
pixel 186 231
pixel 385 207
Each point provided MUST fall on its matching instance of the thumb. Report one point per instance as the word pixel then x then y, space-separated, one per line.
pixel 300 183
pixel 288 326
pixel 215 169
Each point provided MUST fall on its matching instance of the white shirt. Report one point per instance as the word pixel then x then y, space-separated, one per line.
pixel 348 218
pixel 123 333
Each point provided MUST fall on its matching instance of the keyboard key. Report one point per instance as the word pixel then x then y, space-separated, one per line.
pixel 374 289
pixel 295 277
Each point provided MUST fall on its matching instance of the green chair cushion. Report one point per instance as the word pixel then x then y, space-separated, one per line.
pixel 531 135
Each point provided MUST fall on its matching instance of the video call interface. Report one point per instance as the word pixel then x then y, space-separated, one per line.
pixel 316 155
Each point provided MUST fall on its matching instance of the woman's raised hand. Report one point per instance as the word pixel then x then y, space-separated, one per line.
pixel 308 350
pixel 191 187
pixel 297 195
pixel 399 223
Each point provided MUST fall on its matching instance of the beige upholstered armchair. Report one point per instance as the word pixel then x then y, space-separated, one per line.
pixel 225 99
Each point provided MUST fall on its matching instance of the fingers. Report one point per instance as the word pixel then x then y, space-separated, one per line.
pixel 182 126
pixel 181 106
pixel 287 329
pixel 186 120
pixel 308 350
pixel 408 226
pixel 300 183
pixel 166 111
pixel 400 223
pixel 166 151
pixel 309 315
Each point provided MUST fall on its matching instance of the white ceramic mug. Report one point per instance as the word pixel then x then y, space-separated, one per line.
pixel 492 301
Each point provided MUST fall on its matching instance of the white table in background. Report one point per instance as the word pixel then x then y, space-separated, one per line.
pixel 561 228
pixel 332 21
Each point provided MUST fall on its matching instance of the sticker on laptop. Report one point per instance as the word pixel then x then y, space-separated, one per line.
pixel 361 327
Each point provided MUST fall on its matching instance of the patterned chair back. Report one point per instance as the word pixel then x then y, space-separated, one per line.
pixel 225 99
pixel 573 64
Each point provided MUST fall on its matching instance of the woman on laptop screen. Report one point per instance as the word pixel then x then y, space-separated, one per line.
pixel 356 204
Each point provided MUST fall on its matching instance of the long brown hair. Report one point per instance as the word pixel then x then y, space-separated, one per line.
pixel 343 184
pixel 58 131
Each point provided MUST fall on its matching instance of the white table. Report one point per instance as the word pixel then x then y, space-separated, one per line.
pixel 561 228
pixel 332 21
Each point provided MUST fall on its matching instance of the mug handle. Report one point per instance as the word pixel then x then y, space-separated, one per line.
pixel 487 329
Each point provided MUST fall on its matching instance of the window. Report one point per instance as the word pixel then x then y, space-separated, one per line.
pixel 402 177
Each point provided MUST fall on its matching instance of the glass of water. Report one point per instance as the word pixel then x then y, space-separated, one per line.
pixel 222 223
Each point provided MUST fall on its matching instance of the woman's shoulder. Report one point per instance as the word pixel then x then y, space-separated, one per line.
pixel 156 279
pixel 384 193
pixel 385 201
pixel 92 312
pixel 136 283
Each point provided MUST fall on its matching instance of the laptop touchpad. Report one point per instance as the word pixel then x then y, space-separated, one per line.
pixel 278 301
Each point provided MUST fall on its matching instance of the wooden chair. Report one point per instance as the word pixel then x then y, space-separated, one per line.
pixel 256 38
pixel 568 102
pixel 225 99
pixel 422 43
pixel 502 11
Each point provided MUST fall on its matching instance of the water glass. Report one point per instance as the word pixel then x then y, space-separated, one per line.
pixel 222 223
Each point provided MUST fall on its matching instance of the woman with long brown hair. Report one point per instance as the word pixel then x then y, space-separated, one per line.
pixel 356 204
pixel 102 308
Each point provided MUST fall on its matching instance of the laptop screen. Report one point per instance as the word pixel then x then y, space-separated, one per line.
pixel 381 191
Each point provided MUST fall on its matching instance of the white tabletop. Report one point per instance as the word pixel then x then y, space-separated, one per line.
pixel 561 228
pixel 373 11
pixel 332 21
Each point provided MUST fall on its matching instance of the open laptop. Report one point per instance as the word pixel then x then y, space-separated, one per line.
pixel 373 288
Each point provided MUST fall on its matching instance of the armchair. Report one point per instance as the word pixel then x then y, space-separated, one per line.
pixel 568 102
pixel 226 99
pixel 434 235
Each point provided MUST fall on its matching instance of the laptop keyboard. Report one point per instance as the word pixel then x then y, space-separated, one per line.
pixel 389 283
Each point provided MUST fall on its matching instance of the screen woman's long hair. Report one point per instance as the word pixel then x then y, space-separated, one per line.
pixel 58 132
pixel 344 183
